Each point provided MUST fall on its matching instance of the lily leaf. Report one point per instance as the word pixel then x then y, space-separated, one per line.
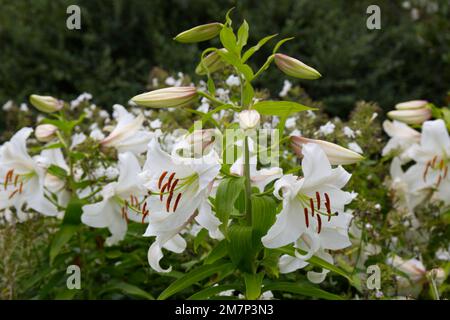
pixel 303 288
pixel 280 108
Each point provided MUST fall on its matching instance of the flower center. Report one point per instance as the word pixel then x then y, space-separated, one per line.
pixel 169 184
pixel 15 182
pixel 312 206
pixel 439 165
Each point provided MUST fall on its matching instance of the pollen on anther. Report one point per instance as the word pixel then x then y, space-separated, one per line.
pixel 162 191
pixel 170 180
pixel 177 200
pixel 175 182
pixel 318 200
pixel 168 202
pixel 311 205
pixel 305 211
pixel 161 178
pixel 319 223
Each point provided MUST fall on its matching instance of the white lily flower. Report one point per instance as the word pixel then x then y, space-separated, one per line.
pixel 258 178
pixel 180 188
pixel 121 201
pixel 128 135
pixel 313 216
pixel 402 138
pixel 432 157
pixel 23 179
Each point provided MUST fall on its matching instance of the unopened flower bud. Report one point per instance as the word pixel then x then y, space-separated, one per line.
pixel 413 104
pixel 167 97
pixel 411 116
pixel 45 132
pixel 212 62
pixel 46 104
pixel 200 33
pixel 249 119
pixel 336 154
pixel 295 68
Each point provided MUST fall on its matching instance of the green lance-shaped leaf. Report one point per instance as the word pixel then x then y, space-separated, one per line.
pixel 218 252
pixel 243 247
pixel 130 289
pixel 255 48
pixel 242 35
pixel 195 276
pixel 227 194
pixel 228 40
pixel 302 287
pixel 63 236
pixel 280 108
pixel 264 210
pixel 212 291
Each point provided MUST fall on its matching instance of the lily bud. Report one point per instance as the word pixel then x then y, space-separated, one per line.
pixel 46 104
pixel 167 97
pixel 411 116
pixel 336 154
pixel 200 33
pixel 45 132
pixel 413 104
pixel 295 68
pixel 249 119
pixel 212 62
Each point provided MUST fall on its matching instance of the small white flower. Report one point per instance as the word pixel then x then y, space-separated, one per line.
pixel 291 122
pixel 233 81
pixel 155 124
pixel 8 105
pixel 287 86
pixel 96 134
pixel 348 132
pixel 327 128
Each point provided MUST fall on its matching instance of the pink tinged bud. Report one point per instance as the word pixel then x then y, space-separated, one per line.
pixel 45 132
pixel 46 104
pixel 212 63
pixel 295 68
pixel 249 119
pixel 200 33
pixel 413 104
pixel 411 116
pixel 336 154
pixel 167 97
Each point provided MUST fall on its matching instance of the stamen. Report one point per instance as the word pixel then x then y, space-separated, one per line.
pixel 175 182
pixel 328 205
pixel 13 194
pixel 426 171
pixel 305 211
pixel 16 179
pixel 433 162
pixel 21 187
pixel 124 214
pixel 445 172
pixel 439 181
pixel 318 200
pixel 170 180
pixel 319 223
pixel 441 164
pixel 161 194
pixel 161 178
pixel 168 201
pixel 144 211
pixel 311 205
pixel 176 202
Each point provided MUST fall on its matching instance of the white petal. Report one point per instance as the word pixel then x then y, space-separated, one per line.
pixel 289 264
pixel 154 257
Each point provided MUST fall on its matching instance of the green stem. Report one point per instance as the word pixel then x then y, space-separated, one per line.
pixel 248 187
pixel 210 97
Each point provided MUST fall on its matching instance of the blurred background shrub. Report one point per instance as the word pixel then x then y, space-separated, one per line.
pixel 121 40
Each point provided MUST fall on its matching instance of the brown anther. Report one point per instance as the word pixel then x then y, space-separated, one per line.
pixel 21 187
pixel 433 162
pixel 319 223
pixel 175 182
pixel 445 172
pixel 16 179
pixel 161 194
pixel 305 211
pixel 177 200
pixel 441 164
pixel 144 211
pixel 439 181
pixel 124 214
pixel 170 180
pixel 311 206
pixel 161 178
pixel 132 200
pixel 13 194
pixel 426 171
pixel 318 200
pixel 168 201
